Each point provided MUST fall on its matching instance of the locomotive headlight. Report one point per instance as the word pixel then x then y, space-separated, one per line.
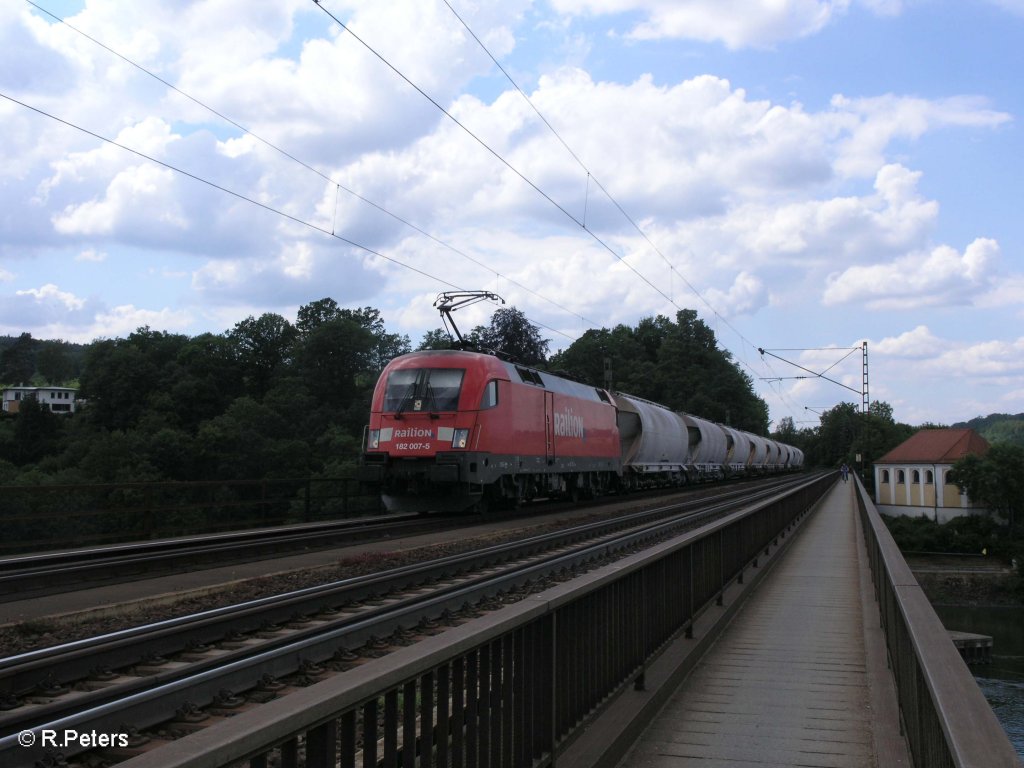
pixel 373 438
pixel 460 438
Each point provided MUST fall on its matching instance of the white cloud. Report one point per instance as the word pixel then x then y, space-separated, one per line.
pixel 759 23
pixel 764 206
pixel 126 318
pixel 50 293
pixel 848 229
pixel 745 296
pixel 52 313
pixel 1007 291
pixel 940 277
pixel 981 359
pixel 932 378
pixel 917 343
pixel 865 127
pixel 297 261
pixel 141 188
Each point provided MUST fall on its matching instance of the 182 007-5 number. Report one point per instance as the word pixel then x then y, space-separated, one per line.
pixel 412 446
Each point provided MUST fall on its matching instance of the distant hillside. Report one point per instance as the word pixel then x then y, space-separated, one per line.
pixel 998 427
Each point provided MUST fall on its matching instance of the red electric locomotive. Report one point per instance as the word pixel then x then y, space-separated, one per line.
pixel 451 430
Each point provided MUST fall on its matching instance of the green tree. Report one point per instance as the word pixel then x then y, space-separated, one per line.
pixel 18 361
pixel 384 347
pixel 845 432
pixel 55 361
pixel 332 356
pixel 127 379
pixel 311 316
pixel 995 480
pixel 805 439
pixel 250 441
pixel 36 430
pixel 676 363
pixel 840 427
pixel 436 339
pixel 585 358
pixel 117 456
pixel 206 378
pixel 880 433
pixel 786 431
pixel 264 346
pixel 512 334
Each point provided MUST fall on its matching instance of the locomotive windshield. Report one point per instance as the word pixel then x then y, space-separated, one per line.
pixel 423 389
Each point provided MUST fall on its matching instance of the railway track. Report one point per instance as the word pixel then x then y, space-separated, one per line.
pixel 36 575
pixel 128 681
pixel 53 572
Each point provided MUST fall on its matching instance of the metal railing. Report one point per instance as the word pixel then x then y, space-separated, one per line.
pixel 943 714
pixel 35 518
pixel 513 688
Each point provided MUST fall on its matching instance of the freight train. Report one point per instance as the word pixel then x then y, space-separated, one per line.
pixel 455 430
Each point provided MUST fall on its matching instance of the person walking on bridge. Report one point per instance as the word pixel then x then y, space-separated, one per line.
pixel 844 471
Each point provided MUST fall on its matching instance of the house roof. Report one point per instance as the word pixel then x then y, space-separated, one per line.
pixel 937 446
pixel 39 389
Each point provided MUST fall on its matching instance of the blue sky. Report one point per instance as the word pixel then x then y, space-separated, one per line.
pixel 807 174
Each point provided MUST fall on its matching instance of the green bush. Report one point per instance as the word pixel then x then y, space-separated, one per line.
pixel 970 534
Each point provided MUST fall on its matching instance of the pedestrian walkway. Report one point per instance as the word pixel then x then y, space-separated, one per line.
pixel 793 680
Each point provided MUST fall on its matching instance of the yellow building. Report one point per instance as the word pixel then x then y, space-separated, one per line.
pixel 913 478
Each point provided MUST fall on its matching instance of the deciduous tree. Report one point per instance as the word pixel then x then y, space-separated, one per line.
pixel 995 480
pixel 18 361
pixel 264 347
pixel 512 334
pixel 54 361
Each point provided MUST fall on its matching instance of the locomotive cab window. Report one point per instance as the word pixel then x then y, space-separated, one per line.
pixel 490 396
pixel 423 389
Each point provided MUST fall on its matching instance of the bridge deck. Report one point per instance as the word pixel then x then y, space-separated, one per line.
pixel 798 678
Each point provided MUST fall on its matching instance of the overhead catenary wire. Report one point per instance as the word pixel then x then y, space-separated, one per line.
pixel 592 178
pixel 335 183
pixel 339 186
pixel 245 198
pixel 590 175
pixel 492 151
pixel 226 190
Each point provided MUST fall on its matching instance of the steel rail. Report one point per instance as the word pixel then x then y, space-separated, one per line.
pixel 35 575
pixel 243 670
pixel 66 663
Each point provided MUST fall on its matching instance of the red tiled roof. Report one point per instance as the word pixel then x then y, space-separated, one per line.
pixel 938 446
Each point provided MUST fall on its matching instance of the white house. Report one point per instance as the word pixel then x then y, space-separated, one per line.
pixel 57 399
pixel 913 478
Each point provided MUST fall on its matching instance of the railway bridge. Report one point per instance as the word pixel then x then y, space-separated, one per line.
pixel 789 634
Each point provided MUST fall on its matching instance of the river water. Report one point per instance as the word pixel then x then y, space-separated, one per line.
pixel 1002 681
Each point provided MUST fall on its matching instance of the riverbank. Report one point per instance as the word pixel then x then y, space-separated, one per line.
pixel 981 583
